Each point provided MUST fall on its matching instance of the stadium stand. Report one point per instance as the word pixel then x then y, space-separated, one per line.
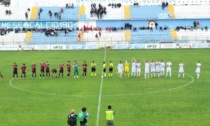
pixel 192 11
pixel 13 38
pixel 67 14
pixel 17 12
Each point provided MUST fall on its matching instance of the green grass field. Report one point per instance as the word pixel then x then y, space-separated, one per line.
pixel 136 101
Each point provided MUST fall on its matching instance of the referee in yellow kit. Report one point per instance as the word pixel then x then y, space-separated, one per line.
pixel 109 116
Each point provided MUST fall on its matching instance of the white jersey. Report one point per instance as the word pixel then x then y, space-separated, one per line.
pixel 198 68
pixel 120 68
pixel 138 67
pixel 147 65
pixel 133 68
pixel 181 67
pixel 162 66
pixel 152 66
pixel 169 65
pixel 157 66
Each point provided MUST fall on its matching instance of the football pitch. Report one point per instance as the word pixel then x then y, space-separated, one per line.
pixel 136 101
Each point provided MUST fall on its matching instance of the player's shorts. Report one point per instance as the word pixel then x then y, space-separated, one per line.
pixel 85 70
pixel 48 71
pixel 110 70
pixel 23 72
pixel 33 71
pixel 76 71
pixel 126 70
pixel 42 70
pixel 104 70
pixel 146 71
pixel 15 72
pixel 93 69
pixel 138 70
pixel 196 71
pixel 120 71
pixel 152 69
pixel 133 69
pixel 60 71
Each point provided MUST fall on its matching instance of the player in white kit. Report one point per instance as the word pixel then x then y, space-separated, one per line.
pixel 152 68
pixel 133 68
pixel 168 68
pixel 162 68
pixel 181 69
pixel 198 69
pixel 157 68
pixel 138 69
pixel 146 74
pixel 120 69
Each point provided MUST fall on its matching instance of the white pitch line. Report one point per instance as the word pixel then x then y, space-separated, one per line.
pixel 100 93
pixel 153 92
pixel 45 93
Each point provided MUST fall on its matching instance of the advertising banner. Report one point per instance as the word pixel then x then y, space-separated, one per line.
pixel 42 47
pixel 58 47
pixel 120 46
pixel 137 46
pixel 90 46
pixel 184 45
pixel 167 45
pixel 152 46
pixel 74 47
pixel 9 47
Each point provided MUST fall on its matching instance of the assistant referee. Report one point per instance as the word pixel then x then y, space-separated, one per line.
pixel 109 116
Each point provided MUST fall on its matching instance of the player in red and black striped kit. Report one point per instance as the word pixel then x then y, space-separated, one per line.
pixel 47 68
pixel 60 69
pixel 68 68
pixel 33 69
pixel 15 70
pixel 42 65
pixel 84 69
pixel 23 71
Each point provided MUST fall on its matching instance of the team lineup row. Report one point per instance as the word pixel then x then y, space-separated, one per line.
pixel 152 69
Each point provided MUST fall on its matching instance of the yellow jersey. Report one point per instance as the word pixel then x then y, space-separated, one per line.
pixel 104 66
pixel 111 65
pixel 93 65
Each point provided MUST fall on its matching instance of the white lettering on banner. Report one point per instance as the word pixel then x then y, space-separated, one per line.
pixel 33 24
pixel 152 46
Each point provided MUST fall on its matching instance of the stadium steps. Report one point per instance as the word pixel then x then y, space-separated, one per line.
pixel 171 11
pixel 127 35
pixel 174 35
pixel 34 13
pixel 28 36
pixel 82 13
pixel 127 14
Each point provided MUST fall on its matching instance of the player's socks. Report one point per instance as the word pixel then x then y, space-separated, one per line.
pixel 104 74
pixel 111 74
pixel 95 74
pixel 183 75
